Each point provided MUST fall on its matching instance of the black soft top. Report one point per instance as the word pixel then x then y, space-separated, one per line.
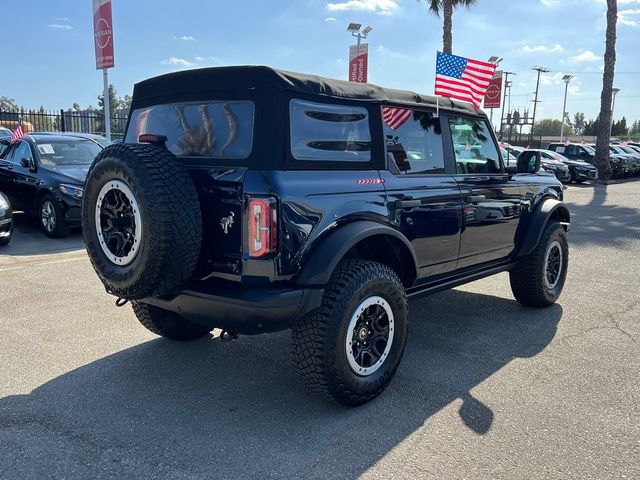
pixel 191 83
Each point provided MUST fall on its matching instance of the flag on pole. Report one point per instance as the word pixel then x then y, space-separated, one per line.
pixel 395 117
pixel 462 78
pixel 18 133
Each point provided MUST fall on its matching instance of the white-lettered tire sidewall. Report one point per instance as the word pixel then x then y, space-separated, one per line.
pixel 106 170
pixel 365 385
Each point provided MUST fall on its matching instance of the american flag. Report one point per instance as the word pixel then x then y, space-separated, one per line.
pixel 395 117
pixel 18 133
pixel 462 78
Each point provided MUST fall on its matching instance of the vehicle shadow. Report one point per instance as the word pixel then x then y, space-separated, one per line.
pixel 602 223
pixel 209 409
pixel 29 239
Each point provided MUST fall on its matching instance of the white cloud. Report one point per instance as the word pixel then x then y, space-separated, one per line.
pixel 178 62
pixel 61 19
pixel 587 56
pixel 385 7
pixel 199 59
pixel 623 17
pixel 542 48
pixel 330 19
pixel 60 26
pixel 186 38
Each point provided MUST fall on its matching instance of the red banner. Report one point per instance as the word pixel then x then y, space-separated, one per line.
pixel 103 34
pixel 494 91
pixel 358 59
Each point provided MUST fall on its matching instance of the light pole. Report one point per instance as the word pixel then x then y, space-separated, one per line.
pixel 535 102
pixel 613 106
pixel 566 79
pixel 496 61
pixel 354 28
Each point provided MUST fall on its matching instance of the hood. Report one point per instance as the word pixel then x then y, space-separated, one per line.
pixel 77 172
pixel 577 163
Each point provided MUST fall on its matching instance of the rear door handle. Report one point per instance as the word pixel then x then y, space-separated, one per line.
pixel 475 198
pixel 408 203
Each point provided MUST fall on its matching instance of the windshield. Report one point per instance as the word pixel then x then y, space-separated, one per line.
pixel 67 152
pixel 589 149
pixel 554 155
pixel 628 150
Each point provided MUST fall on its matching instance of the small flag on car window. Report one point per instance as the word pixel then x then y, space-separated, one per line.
pixel 18 133
pixel 462 78
pixel 395 117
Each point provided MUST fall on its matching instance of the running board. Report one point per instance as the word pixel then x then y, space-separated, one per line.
pixel 429 288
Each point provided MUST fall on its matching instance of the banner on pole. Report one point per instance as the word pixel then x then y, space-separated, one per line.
pixel 103 34
pixel 494 91
pixel 358 63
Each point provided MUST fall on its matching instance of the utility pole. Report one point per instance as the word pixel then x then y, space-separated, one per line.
pixel 566 79
pixel 506 81
pixel 540 70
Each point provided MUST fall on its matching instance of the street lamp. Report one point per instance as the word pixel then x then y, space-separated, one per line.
pixel 566 79
pixel 354 28
pixel 613 105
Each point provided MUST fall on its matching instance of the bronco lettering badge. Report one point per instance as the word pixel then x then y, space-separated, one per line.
pixel 227 222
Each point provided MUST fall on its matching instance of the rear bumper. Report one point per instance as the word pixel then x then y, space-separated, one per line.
pixel 247 311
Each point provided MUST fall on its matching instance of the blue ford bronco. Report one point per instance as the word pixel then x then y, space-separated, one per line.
pixel 255 200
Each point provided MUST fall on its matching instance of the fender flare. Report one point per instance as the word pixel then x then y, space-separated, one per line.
pixel 324 259
pixel 538 220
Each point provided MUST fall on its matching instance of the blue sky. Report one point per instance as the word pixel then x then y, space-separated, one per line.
pixel 50 55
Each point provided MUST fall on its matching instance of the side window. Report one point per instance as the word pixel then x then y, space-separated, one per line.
pixel 23 150
pixel 474 148
pixel 329 132
pixel 5 150
pixel 413 140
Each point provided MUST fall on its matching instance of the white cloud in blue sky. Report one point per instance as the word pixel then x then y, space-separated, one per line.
pixel 566 36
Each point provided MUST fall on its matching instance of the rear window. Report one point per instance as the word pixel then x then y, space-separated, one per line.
pixel 72 152
pixel 329 132
pixel 220 129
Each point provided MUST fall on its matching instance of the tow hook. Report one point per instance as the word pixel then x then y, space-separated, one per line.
pixel 121 302
pixel 226 336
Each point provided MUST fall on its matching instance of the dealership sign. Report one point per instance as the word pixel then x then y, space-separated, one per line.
pixel 103 33
pixel 494 91
pixel 358 58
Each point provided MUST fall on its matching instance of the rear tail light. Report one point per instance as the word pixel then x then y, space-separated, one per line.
pixel 263 226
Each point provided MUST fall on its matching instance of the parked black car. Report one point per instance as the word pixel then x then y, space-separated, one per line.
pixel 632 158
pixel 6 220
pixel 579 171
pixel 550 164
pixel 579 151
pixel 44 175
pixel 635 154
pixel 254 200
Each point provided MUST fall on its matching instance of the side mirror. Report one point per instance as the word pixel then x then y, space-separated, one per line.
pixel 511 170
pixel 26 163
pixel 529 162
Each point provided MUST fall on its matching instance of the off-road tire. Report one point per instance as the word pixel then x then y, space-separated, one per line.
pixel 319 340
pixel 528 277
pixel 167 324
pixel 61 229
pixel 170 217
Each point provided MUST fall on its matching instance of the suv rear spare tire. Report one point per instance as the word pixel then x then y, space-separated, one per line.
pixel 141 221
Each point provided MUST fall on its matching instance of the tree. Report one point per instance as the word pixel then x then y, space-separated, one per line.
pixel 8 104
pixel 578 123
pixel 114 104
pixel 604 131
pixel 446 7
pixel 635 128
pixel 619 128
pixel 548 126
pixel 591 128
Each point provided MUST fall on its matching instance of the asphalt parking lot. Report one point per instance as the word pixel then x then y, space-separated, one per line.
pixel 487 388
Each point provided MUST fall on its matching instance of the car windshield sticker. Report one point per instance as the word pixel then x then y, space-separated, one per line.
pixel 560 149
pixel 46 149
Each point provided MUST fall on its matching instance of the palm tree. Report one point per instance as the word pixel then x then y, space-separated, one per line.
pixel 446 7
pixel 604 125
